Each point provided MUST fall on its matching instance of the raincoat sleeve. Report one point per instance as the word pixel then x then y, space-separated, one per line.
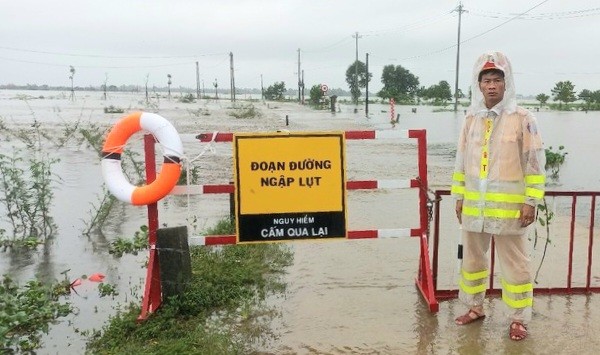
pixel 534 160
pixel 458 177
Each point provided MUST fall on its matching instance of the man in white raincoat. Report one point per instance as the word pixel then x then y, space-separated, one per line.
pixel 498 180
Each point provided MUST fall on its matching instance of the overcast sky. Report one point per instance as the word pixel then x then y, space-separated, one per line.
pixel 128 40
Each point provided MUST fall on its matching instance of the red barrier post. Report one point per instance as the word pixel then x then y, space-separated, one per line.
pixel 152 290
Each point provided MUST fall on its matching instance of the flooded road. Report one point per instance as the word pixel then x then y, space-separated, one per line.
pixel 344 297
pixel 359 297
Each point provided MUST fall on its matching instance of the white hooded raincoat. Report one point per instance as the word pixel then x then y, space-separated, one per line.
pixel 500 165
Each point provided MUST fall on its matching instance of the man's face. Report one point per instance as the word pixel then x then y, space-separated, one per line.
pixel 492 86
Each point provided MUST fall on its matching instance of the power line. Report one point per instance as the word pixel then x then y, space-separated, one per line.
pixel 478 35
pixel 109 67
pixel 107 56
pixel 375 33
pixel 542 16
pixel 328 47
pixel 411 26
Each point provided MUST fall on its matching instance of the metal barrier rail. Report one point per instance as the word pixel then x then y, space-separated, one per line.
pixel 568 289
pixel 424 280
pixel 350 185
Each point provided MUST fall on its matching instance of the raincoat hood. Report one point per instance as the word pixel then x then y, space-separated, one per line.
pixel 486 61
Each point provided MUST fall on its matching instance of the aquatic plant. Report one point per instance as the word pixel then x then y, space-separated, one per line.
pixel 25 177
pixel 555 160
pixel 187 98
pixel 544 217
pixel 113 109
pixel 26 312
pixel 244 111
pixel 122 246
pixel 105 289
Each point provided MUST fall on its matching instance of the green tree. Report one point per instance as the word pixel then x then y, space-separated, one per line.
pixel 542 98
pixel 315 94
pixel 564 91
pixel 596 97
pixel 439 93
pixel 398 83
pixel 275 91
pixel 355 83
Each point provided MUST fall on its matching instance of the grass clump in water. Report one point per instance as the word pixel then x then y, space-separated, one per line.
pixel 221 312
pixel 245 111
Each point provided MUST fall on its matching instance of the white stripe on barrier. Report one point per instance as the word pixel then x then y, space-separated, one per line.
pixel 196 240
pixel 393 233
pixel 222 189
pixel 403 133
pixel 187 189
pixel 393 184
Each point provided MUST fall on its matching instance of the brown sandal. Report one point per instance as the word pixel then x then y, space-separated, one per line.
pixel 469 317
pixel 517 331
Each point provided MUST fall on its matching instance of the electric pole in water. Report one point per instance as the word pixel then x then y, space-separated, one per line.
pixel 262 90
pixel 460 10
pixel 367 86
pixel 302 87
pixel 232 84
pixel 299 80
pixel 197 82
pixel 356 36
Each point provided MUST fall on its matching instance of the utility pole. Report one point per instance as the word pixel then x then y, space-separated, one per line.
pixel 367 87
pixel 262 90
pixel 197 82
pixel 232 81
pixel 460 10
pixel 299 79
pixel 216 85
pixel 356 37
pixel 302 86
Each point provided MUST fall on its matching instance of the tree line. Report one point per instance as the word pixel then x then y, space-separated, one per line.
pixel 564 92
pixel 404 87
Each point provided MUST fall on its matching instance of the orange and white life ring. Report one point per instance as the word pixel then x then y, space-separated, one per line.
pixel 113 147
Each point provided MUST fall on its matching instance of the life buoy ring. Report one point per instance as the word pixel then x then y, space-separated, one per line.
pixel 113 147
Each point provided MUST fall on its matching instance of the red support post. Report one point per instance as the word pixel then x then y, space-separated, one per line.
pixel 421 137
pixel 424 279
pixel 152 289
pixel 590 243
pixel 571 242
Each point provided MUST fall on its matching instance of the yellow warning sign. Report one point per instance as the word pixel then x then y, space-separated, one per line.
pixel 290 182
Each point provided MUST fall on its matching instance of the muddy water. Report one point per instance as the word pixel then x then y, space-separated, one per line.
pixel 354 297
pixel 358 297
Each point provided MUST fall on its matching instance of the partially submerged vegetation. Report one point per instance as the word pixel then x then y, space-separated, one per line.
pixel 244 111
pixel 221 312
pixel 27 311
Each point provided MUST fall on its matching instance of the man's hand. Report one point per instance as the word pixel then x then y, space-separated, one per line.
pixel 459 204
pixel 527 215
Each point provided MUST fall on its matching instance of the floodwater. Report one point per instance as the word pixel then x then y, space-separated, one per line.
pixel 343 297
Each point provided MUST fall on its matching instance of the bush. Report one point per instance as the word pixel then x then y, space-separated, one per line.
pixel 554 160
pixel 245 111
pixel 27 311
pixel 187 99
pixel 113 109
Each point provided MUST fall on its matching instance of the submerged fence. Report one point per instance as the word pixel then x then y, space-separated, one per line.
pixel 564 264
